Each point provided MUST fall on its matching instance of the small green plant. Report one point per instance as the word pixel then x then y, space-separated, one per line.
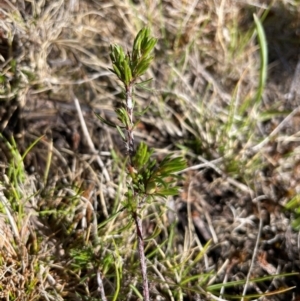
pixel 147 178
pixel 294 206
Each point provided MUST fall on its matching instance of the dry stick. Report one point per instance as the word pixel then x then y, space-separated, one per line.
pixel 137 219
pixel 104 170
pixel 5 204
pixel 88 138
pixel 256 200
pixel 139 228
pixel 163 279
pixel 284 122
pixel 212 165
pixel 100 286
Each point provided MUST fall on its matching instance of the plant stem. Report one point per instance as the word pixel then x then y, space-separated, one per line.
pixel 137 219
pixel 129 108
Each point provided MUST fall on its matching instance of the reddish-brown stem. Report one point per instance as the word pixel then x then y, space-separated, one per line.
pixel 137 219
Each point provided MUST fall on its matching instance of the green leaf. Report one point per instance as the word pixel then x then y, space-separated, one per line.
pixel 127 71
pixel 167 191
pixel 270 114
pixel 2 79
pixel 121 133
pixel 142 66
pixel 172 165
pixel 296 224
pixel 218 286
pixel 143 84
pixel 117 54
pixel 136 49
pixel 142 156
pixel 151 188
pixel 136 291
pixel 263 57
pixel 145 37
pixel 136 124
pixel 190 279
pixel 149 46
pixel 109 219
pixel 109 123
pixel 123 116
pixel 117 71
pixel 293 203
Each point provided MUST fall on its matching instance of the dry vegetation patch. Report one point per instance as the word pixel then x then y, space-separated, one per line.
pixel 62 177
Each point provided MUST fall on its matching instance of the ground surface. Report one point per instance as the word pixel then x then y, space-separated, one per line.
pixel 62 185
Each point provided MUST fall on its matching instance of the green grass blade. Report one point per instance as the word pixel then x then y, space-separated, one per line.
pixel 263 58
pixel 218 286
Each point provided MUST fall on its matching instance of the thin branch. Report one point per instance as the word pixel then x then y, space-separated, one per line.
pixel 256 200
pixel 100 286
pixel 139 228
pixel 7 209
pixel 88 138
pixel 284 122
pixel 137 219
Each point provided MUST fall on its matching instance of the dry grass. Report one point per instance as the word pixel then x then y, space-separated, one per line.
pixel 62 176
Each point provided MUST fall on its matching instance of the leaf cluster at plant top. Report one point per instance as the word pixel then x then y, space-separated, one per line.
pixel 128 67
pixel 148 178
